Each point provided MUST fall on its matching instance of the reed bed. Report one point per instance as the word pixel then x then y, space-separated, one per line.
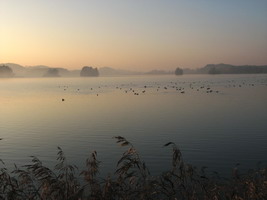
pixel 131 180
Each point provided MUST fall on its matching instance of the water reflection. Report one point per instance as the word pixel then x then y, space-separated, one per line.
pixel 215 129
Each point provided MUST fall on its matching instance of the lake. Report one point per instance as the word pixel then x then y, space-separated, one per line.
pixel 216 120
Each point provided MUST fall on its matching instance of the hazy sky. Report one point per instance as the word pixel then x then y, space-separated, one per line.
pixel 133 34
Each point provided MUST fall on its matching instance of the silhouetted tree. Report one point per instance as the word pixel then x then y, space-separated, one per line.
pixel 89 71
pixel 6 71
pixel 178 71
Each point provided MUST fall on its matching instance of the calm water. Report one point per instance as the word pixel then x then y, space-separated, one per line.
pixel 216 129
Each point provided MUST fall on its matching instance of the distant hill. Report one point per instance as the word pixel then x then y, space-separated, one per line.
pixel 158 72
pixel 38 67
pixel 63 71
pixel 232 69
pixel 52 72
pixel 13 66
pixel 6 71
pixel 17 69
pixel 108 71
pixel 40 70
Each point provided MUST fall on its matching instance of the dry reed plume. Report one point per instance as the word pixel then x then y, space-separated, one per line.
pixel 131 180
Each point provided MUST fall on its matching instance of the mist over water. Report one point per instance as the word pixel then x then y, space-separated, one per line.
pixel 216 127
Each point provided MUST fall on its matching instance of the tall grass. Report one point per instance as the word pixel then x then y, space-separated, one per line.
pixel 131 180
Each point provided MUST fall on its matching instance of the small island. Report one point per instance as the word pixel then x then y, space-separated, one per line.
pixel 89 72
pixel 178 71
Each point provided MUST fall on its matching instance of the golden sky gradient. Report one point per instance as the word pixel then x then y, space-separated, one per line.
pixel 136 35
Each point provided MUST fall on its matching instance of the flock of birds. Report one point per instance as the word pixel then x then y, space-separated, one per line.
pixel 178 87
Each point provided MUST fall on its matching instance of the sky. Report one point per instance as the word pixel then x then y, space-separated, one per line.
pixel 133 34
